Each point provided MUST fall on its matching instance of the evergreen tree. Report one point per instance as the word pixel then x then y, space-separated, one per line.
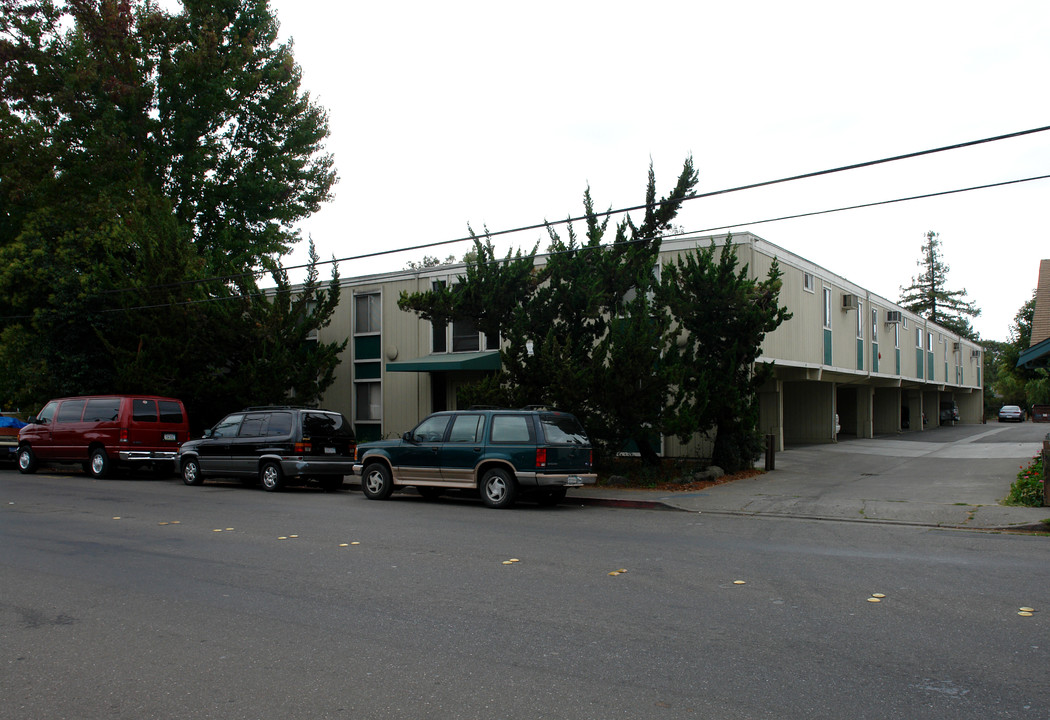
pixel 929 296
pixel 721 317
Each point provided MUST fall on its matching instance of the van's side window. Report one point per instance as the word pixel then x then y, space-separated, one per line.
pixel 170 412
pixel 102 410
pixel 70 411
pixel 252 425
pixel 144 411
pixel 280 424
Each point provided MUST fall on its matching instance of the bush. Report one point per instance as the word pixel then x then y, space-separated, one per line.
pixel 1028 488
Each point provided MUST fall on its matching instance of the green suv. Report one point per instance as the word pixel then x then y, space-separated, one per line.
pixel 500 453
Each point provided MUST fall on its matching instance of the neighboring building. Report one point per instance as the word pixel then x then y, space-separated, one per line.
pixel 1038 353
pixel 845 352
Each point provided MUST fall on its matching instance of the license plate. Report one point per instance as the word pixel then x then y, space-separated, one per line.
pixel 169 437
pixel 329 451
pixel 574 480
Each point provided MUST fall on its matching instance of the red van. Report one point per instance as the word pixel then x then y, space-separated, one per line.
pixel 103 431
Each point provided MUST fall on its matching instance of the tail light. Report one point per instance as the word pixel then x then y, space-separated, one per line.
pixel 303 448
pixel 541 457
pixel 123 435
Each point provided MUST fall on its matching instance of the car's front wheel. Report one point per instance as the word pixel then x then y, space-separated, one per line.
pixel 271 476
pixel 497 488
pixel 98 463
pixel 26 460
pixel 376 483
pixel 191 472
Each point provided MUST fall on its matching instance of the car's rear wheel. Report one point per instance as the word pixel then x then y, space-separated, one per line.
pixel 271 476
pixel 98 463
pixel 376 483
pixel 191 472
pixel 497 488
pixel 26 460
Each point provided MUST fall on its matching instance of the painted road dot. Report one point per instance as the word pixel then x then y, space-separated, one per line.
pixel 1027 609
pixel 740 582
pixel 355 542
pixel 344 544
pixel 282 538
pixel 1025 614
pixel 874 599
pixel 878 595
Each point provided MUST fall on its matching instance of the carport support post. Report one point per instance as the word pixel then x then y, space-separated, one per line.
pixel 771 452
pixel 1046 470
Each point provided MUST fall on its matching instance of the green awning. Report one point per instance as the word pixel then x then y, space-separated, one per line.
pixel 1037 356
pixel 448 362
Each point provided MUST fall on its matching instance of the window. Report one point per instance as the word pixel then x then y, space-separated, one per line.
pixel 511 429
pixel 860 319
pixel 252 425
pixel 432 429
pixel 280 424
pixel 369 399
pixel 105 409
pixel 367 314
pixel 827 308
pixel 144 411
pixel 465 336
pixel 874 324
pixel 466 429
pixel 170 412
pixel 929 342
pixel 440 335
pixel 807 282
pixel 896 335
pixel 918 338
pixel 70 411
pixel 228 426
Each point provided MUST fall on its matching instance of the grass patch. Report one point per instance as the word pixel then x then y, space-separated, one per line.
pixel 671 475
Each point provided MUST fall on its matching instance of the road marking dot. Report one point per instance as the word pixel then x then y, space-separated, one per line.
pixel 1026 609
pixel 1025 614
pixel 344 544
pixel 740 582
pixel 874 599
pixel 878 595
pixel 355 542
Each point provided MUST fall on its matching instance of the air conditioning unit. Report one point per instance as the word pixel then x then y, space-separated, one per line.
pixel 849 302
pixel 975 354
pixel 893 316
pixel 956 347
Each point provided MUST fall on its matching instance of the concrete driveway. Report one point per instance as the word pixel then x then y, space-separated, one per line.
pixel 946 477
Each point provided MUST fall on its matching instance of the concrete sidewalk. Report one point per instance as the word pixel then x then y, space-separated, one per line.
pixel 947 477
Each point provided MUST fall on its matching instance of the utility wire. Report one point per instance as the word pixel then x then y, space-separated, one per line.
pixel 670 235
pixel 608 213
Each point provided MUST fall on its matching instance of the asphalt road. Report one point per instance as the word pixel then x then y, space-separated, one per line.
pixel 143 598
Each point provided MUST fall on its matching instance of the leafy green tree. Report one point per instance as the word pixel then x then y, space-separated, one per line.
pixel 929 296
pixel 143 152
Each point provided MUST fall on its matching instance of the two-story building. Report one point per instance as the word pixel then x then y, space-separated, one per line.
pixel 849 363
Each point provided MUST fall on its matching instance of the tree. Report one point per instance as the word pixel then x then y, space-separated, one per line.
pixel 721 316
pixel 153 163
pixel 592 329
pixel 929 297
pixel 1014 385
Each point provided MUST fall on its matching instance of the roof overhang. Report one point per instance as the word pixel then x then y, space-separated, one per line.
pixel 1037 356
pixel 448 362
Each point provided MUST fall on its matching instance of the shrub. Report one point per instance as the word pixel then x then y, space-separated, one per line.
pixel 1028 488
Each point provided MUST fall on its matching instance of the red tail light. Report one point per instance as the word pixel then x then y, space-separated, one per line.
pixel 303 448
pixel 123 435
pixel 541 457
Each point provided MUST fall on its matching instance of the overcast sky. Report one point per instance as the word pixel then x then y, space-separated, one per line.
pixel 501 114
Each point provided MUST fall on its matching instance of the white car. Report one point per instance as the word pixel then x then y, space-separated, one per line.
pixel 1011 413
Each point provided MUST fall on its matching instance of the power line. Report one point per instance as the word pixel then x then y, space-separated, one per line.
pixel 609 213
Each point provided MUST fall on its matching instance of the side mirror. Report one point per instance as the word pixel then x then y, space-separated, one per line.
pixel 407 437
pixel 207 433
